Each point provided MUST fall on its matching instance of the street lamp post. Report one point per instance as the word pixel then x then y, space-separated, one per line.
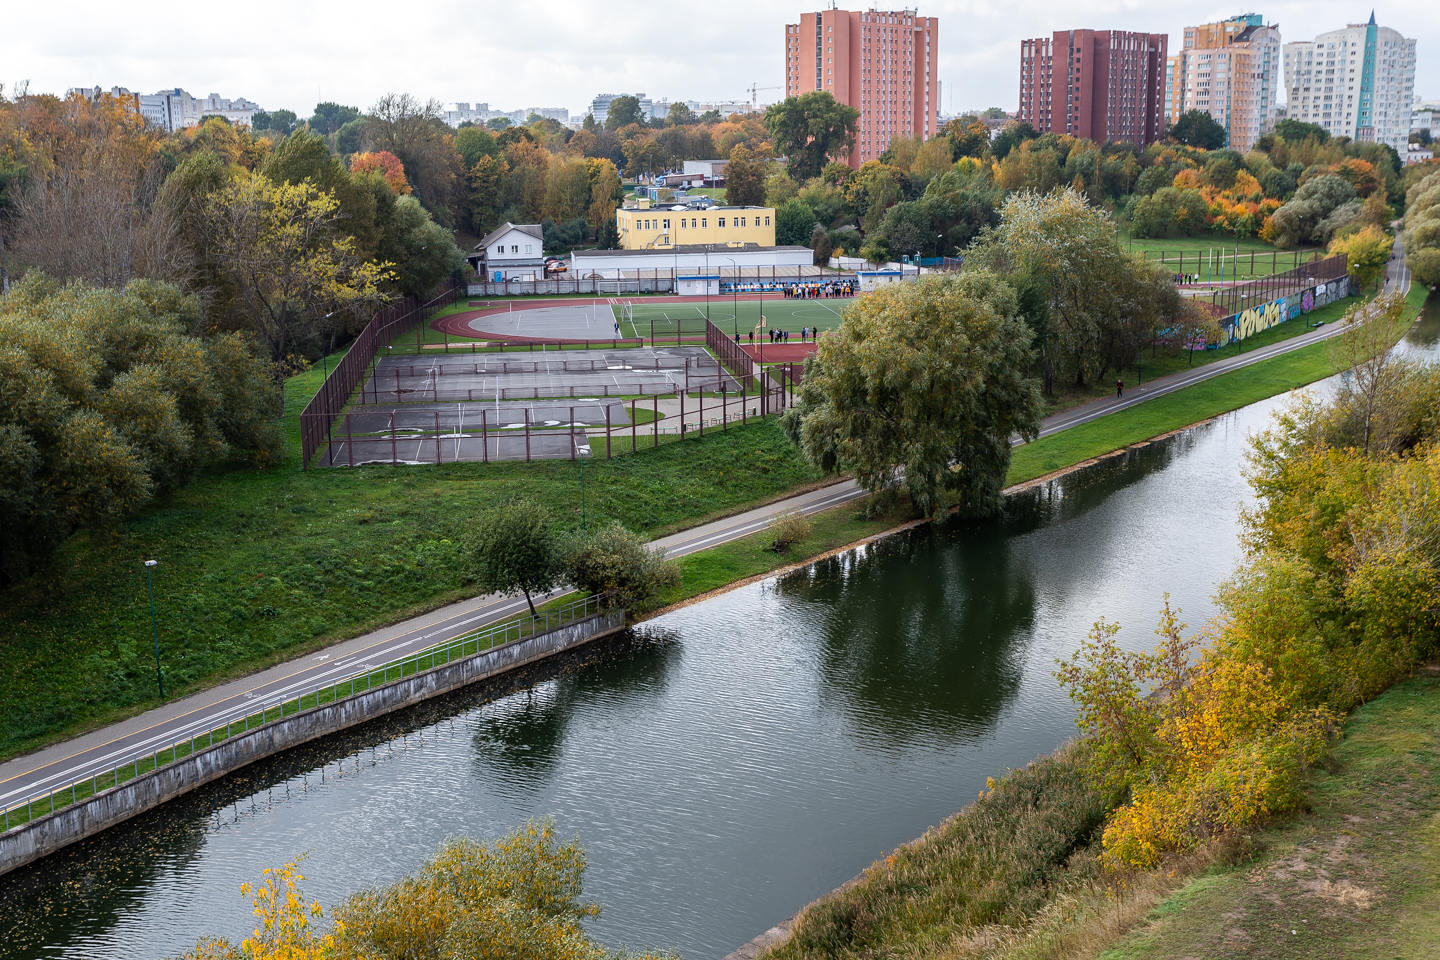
pixel 707 281
pixel 154 625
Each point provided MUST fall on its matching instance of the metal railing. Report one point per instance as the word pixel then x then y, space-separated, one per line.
pixel 47 800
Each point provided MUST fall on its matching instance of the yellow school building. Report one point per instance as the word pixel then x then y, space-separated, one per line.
pixel 663 227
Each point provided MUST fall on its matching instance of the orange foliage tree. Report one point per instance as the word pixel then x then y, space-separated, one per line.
pixel 384 163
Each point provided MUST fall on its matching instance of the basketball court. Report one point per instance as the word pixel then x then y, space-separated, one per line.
pixel 634 371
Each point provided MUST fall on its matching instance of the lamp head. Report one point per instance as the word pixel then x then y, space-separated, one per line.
pixel 151 563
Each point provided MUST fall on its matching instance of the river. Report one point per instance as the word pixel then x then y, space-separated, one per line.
pixel 729 761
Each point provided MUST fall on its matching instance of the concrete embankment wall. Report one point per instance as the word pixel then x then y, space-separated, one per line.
pixel 45 835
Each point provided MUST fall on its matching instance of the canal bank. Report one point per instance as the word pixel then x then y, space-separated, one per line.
pixel 733 761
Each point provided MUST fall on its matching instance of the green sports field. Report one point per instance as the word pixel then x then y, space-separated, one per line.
pixel 649 319
pixel 1216 257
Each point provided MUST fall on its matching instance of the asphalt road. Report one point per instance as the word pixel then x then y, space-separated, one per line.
pixel 101 750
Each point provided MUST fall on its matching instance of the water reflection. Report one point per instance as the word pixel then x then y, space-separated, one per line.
pixel 522 737
pixel 724 764
pixel 918 632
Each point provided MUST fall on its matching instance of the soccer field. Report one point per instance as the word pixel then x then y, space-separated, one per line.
pixel 666 319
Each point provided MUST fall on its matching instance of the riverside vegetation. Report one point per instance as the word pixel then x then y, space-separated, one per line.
pixel 1192 747
pixel 287 561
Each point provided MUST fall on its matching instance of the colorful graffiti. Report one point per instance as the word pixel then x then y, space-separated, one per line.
pixel 1307 302
pixel 1259 318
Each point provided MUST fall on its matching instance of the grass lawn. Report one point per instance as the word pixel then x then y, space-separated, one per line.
pixel 1357 876
pixel 1215 257
pixel 258 566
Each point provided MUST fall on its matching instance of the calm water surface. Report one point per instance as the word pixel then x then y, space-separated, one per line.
pixel 729 762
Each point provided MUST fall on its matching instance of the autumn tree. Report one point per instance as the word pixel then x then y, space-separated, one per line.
pixel 811 129
pixel 515 546
pixel 386 164
pixel 1367 254
pixel 277 248
pixel 922 387
pixel 414 132
pixel 744 179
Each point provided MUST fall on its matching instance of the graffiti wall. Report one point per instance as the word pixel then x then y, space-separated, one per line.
pixel 1263 316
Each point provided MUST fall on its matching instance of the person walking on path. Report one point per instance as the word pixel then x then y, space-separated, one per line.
pixel 1119 388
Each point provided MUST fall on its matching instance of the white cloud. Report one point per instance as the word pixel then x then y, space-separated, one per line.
pixel 560 52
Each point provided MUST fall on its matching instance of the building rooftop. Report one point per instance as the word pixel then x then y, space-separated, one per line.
pixel 716 248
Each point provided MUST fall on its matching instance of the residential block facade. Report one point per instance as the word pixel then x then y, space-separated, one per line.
pixel 1103 85
pixel 647 227
pixel 1231 70
pixel 1358 82
pixel 883 63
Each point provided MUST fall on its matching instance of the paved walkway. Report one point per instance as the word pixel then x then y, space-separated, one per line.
pixel 102 749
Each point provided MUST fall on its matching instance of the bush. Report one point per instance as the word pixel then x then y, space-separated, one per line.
pixel 616 563
pixel 787 529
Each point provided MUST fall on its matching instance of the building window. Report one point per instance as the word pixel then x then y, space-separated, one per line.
pixel 666 225
pixel 722 223
pixel 514 248
pixel 704 221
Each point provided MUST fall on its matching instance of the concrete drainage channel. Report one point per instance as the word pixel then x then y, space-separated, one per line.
pixel 47 834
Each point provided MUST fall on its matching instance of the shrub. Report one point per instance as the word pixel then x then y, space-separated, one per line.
pixel 616 563
pixel 787 529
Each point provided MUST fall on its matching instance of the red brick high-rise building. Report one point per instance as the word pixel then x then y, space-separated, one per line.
pixel 881 62
pixel 1102 85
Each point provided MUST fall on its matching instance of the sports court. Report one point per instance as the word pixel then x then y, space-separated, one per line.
pixel 633 371
pixel 585 320
pixel 650 319
pixel 450 448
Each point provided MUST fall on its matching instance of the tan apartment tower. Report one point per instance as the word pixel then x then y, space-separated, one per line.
pixel 1231 70
pixel 1101 85
pixel 881 62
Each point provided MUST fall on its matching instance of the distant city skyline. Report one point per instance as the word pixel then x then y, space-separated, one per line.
pixel 291 57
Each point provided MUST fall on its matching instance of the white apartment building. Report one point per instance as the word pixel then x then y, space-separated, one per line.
pixel 175 109
pixel 1358 82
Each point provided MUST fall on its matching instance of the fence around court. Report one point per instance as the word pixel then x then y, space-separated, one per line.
pixel 1221 263
pixel 387 324
pixel 421 383
pixel 47 801
pixel 1240 297
pixel 717 395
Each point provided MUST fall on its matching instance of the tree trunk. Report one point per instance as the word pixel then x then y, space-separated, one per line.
pixel 4 269
pixel 530 602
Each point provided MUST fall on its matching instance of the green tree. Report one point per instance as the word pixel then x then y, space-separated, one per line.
pixel 1196 128
pixel 811 129
pixel 617 564
pixel 473 143
pixel 821 245
pixel 680 115
pixel 744 179
pixel 423 253
pixel 278 121
pixel 623 112
pixel 794 222
pixel 1422 230
pixel 1010 137
pixel 923 385
pixel 1063 256
pixel 1297 130
pixel 516 547
pixel 329 117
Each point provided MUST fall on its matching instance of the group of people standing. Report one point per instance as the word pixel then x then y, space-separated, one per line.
pixel 820 291
pixel 807 334
pixel 1180 278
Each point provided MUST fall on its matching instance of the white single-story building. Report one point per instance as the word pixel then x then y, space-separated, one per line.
pixel 698 267
pixel 512 251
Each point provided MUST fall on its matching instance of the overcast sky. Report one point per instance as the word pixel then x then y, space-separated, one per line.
pixel 562 52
